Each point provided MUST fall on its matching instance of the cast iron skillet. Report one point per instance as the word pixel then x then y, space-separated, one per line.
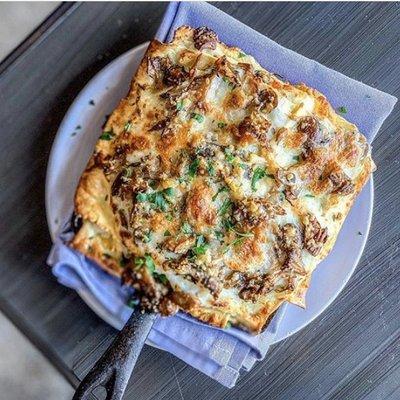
pixel 115 366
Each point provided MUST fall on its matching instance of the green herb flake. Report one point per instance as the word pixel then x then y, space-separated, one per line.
pixel 342 110
pixel 161 277
pixel 296 158
pixel 149 262
pixel 237 241
pixel 360 233
pixel 180 105
pixel 221 125
pixel 229 156
pixel 159 200
pixel 169 217
pixel 141 197
pixel 210 169
pixel 220 190
pixel 167 233
pixel 258 174
pixel 107 135
pixel 133 303
pixel 194 165
pixel 309 195
pixel 147 237
pixel 186 228
pixel 128 126
pixel 219 235
pixel 201 246
pixel 198 117
pixel 227 81
pixel 226 206
pixel 138 261
pixel 169 191
pixel 227 224
pixel 241 55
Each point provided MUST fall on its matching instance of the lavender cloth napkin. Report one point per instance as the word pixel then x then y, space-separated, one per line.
pixel 222 354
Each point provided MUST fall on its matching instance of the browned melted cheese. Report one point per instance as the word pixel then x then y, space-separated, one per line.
pixel 216 187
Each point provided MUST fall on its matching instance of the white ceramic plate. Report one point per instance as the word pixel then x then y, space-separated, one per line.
pixel 74 144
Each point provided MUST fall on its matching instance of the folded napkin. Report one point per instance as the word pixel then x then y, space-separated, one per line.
pixel 221 354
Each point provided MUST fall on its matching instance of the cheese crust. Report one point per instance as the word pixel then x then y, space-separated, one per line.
pixel 216 187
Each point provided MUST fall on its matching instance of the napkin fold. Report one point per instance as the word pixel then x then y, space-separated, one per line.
pixel 221 354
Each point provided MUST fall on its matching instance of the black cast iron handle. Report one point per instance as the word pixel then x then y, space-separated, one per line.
pixel 115 366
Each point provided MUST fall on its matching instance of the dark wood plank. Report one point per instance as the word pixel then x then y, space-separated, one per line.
pixel 349 352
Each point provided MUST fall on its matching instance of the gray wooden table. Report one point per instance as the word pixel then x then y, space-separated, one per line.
pixel 352 351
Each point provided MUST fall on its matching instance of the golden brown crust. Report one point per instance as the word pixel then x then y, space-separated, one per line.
pixel 216 187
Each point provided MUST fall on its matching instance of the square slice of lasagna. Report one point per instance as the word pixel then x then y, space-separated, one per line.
pixel 216 187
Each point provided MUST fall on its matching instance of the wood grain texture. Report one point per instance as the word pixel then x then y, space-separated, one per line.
pixel 352 351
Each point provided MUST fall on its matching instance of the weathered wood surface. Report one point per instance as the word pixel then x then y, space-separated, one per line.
pixel 352 351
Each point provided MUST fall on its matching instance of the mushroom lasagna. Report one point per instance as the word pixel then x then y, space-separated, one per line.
pixel 217 187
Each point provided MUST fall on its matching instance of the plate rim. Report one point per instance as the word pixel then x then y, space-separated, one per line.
pixel 87 297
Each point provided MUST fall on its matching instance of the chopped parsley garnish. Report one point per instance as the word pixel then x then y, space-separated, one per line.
pixel 210 169
pixel 169 191
pixel 146 261
pixel 226 205
pixel 201 246
pixel 141 197
pixel 179 105
pixel 167 233
pixel 220 190
pixel 138 261
pixel 149 263
pixel 309 195
pixel 107 135
pixel 128 126
pixel 258 174
pixel 147 237
pixel 169 217
pixel 342 110
pixel 237 241
pixel 194 165
pixel 229 156
pixel 219 235
pixel 159 199
pixel 221 125
pixel 296 158
pixel 133 302
pixel 241 55
pixel 186 228
pixel 161 277
pixel 198 117
pixel 227 224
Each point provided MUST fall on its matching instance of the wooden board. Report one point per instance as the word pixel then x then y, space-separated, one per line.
pixel 352 351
